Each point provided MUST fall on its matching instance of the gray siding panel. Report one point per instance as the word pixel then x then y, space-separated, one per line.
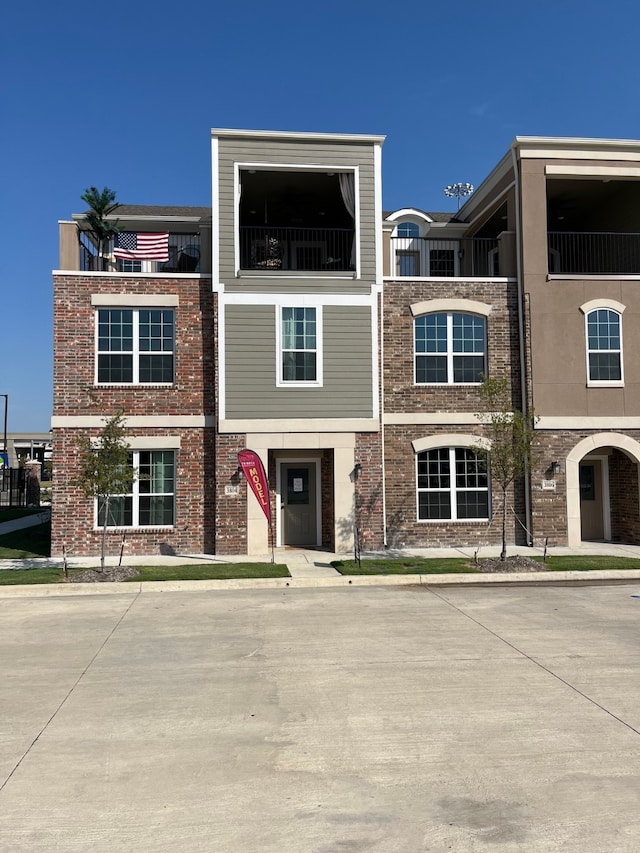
pixel 250 375
pixel 299 153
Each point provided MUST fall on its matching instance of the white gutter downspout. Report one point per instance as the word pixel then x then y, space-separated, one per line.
pixel 523 375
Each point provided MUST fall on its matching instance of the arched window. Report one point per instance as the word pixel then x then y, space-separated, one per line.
pixel 452 484
pixel 450 348
pixel 407 229
pixel 604 346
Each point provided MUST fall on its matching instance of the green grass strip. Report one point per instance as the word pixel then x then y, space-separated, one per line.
pixel 204 571
pixel 26 543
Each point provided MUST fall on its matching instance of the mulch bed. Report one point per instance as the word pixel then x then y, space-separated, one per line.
pixel 119 573
pixel 511 564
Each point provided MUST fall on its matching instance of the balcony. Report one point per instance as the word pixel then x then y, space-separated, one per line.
pixel 593 253
pixel 272 249
pixel 423 257
pixel 184 256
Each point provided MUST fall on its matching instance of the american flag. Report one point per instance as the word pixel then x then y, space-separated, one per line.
pixel 148 247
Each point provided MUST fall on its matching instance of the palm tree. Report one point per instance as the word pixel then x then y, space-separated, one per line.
pixel 102 203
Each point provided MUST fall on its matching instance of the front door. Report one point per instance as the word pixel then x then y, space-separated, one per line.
pixel 299 507
pixel 591 509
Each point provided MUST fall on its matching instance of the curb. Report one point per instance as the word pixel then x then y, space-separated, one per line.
pixel 584 578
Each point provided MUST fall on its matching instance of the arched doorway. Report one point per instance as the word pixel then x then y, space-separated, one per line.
pixel 601 474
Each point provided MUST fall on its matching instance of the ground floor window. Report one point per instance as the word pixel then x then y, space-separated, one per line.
pixel 452 484
pixel 151 502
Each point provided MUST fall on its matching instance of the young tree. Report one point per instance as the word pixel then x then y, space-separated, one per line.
pixel 510 435
pixel 101 205
pixel 105 469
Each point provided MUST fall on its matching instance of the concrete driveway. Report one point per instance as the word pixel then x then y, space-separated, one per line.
pixel 322 720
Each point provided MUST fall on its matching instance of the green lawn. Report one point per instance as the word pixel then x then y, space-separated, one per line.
pixel 205 571
pixel 446 565
pixel 9 513
pixel 29 542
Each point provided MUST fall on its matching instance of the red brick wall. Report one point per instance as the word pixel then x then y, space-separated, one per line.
pixel 74 391
pixel 73 515
pixel 402 396
pixel 75 394
pixel 623 493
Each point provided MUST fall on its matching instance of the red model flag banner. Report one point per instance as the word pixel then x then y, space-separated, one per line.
pixel 255 475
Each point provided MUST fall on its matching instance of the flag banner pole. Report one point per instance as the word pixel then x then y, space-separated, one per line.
pixel 256 477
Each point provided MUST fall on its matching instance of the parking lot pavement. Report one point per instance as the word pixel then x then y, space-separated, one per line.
pixel 352 719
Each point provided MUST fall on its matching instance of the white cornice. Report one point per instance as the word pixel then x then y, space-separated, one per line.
pixel 293 135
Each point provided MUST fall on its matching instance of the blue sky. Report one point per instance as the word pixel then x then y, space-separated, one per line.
pixel 125 96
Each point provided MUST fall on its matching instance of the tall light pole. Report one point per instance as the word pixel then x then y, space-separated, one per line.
pixel 458 191
pixel 4 443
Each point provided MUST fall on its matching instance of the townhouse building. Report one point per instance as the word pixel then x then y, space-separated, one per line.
pixel 346 345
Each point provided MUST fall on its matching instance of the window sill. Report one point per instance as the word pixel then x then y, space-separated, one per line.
pixel 134 385
pixel 447 384
pixel 120 530
pixel 452 521
pixel 614 383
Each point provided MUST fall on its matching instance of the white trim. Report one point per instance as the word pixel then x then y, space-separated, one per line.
pixel 135 300
pixel 593 304
pixel 449 355
pixel 432 418
pixel 222 355
pixel 455 279
pixel 133 421
pixel 289 134
pixel 585 277
pixel 585 422
pixel 130 277
pixel 377 183
pixel 453 439
pixel 135 499
pixel 593 171
pixel 301 425
pixel 408 212
pixel 135 351
pixel 305 460
pixel 375 350
pixel 603 383
pixel 453 489
pixel 464 306
pixel 576 154
pixel 318 381
pixel 215 213
pixel 241 165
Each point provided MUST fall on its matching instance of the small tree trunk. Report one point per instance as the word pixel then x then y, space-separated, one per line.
pixel 104 532
pixel 503 553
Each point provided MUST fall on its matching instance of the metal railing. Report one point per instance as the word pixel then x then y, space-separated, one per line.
pixel 184 256
pixel 594 253
pixel 426 257
pixel 307 249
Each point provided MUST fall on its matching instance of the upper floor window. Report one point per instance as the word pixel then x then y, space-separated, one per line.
pixel 450 348
pixel 453 484
pixel 150 503
pixel 135 346
pixel 407 229
pixel 299 346
pixel 604 346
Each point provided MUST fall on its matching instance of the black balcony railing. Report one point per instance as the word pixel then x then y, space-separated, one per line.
pixel 594 253
pixel 426 257
pixel 184 256
pixel 271 249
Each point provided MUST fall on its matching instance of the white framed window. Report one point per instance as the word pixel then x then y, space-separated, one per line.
pixel 450 348
pixel 151 502
pixel 135 346
pixel 408 229
pixel 604 347
pixel 452 484
pixel 299 346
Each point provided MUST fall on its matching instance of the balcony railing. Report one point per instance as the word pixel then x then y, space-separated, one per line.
pixel 306 249
pixel 594 253
pixel 184 256
pixel 424 257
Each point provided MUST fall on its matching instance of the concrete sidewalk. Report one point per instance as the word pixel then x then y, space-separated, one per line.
pixel 31 520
